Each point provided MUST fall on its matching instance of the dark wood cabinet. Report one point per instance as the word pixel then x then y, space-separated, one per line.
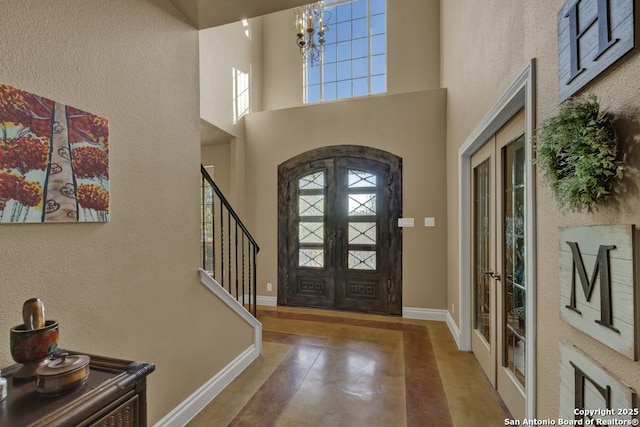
pixel 114 396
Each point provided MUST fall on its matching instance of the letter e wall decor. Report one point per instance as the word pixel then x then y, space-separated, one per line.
pixel 587 391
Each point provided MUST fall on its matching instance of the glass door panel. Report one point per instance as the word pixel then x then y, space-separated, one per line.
pixel 311 202
pixel 362 226
pixel 514 260
pixel 482 294
pixel 511 292
pixel 483 338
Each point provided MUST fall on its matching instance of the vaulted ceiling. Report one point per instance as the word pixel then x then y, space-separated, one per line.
pixel 211 13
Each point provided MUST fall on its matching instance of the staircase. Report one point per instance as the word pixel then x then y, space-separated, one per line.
pixel 228 250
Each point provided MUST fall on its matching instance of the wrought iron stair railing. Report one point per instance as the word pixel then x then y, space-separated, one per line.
pixel 229 251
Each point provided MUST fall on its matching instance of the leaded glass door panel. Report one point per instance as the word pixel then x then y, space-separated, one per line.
pixel 338 246
pixel 511 208
pixel 484 274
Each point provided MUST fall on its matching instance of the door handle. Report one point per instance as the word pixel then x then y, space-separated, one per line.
pixel 493 274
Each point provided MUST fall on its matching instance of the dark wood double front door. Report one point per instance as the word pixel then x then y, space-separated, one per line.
pixel 339 244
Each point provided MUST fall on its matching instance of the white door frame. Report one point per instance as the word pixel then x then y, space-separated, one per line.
pixel 521 94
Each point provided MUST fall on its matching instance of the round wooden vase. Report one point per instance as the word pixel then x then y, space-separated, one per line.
pixel 31 348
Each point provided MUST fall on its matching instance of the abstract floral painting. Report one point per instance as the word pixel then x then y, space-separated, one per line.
pixel 54 161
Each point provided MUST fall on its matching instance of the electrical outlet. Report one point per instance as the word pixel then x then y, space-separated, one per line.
pixel 269 287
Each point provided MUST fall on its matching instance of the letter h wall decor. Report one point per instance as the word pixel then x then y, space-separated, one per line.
pixel 592 35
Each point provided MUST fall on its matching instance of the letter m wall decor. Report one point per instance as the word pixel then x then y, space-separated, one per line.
pixel 597 284
pixel 592 35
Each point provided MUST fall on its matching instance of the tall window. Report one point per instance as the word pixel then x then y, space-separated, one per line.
pixel 354 61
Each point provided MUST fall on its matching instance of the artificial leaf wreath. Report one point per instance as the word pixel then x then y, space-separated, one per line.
pixel 578 152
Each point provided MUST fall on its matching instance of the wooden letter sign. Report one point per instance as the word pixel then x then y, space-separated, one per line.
pixel 597 286
pixel 588 392
pixel 592 35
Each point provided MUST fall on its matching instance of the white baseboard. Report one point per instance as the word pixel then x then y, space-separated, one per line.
pixel 193 404
pixel 263 300
pixel 270 301
pixel 433 314
pixel 424 314
pixel 453 328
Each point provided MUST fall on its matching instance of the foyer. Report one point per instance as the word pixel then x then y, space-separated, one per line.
pixel 131 289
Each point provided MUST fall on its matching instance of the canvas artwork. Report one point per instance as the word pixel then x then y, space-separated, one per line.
pixel 54 161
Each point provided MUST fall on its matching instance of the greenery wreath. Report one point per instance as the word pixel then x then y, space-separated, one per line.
pixel 578 153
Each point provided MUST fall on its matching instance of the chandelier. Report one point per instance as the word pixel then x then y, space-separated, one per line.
pixel 311 25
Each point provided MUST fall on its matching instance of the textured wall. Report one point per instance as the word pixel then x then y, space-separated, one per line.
pixel 485 46
pixel 482 54
pixel 224 52
pixel 408 125
pixel 128 288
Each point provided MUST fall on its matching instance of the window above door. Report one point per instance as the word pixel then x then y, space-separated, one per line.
pixel 354 61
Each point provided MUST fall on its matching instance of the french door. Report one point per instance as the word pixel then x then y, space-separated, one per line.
pixel 338 246
pixel 498 240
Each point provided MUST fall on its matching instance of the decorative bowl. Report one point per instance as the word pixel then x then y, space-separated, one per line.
pixel 31 347
pixel 64 373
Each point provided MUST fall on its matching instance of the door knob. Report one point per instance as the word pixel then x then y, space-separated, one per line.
pixel 493 274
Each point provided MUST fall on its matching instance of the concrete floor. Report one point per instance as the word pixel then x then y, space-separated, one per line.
pixel 328 368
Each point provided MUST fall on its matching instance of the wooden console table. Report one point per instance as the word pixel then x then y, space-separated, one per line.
pixel 114 395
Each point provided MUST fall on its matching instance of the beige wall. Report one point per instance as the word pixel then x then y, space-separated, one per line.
pixel 223 51
pixel 484 48
pixel 482 55
pixel 228 161
pixel 408 125
pixel 128 288
pixel 282 64
pixel 413 38
pixel 219 156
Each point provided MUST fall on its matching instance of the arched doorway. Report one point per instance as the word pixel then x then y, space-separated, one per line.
pixel 339 245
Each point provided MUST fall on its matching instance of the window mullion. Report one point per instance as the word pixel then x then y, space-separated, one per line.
pixel 369 56
pixel 321 76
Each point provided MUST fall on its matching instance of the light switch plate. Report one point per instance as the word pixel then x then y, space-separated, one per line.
pixel 429 221
pixel 405 222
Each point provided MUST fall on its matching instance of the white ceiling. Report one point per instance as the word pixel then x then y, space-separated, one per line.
pixel 211 13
